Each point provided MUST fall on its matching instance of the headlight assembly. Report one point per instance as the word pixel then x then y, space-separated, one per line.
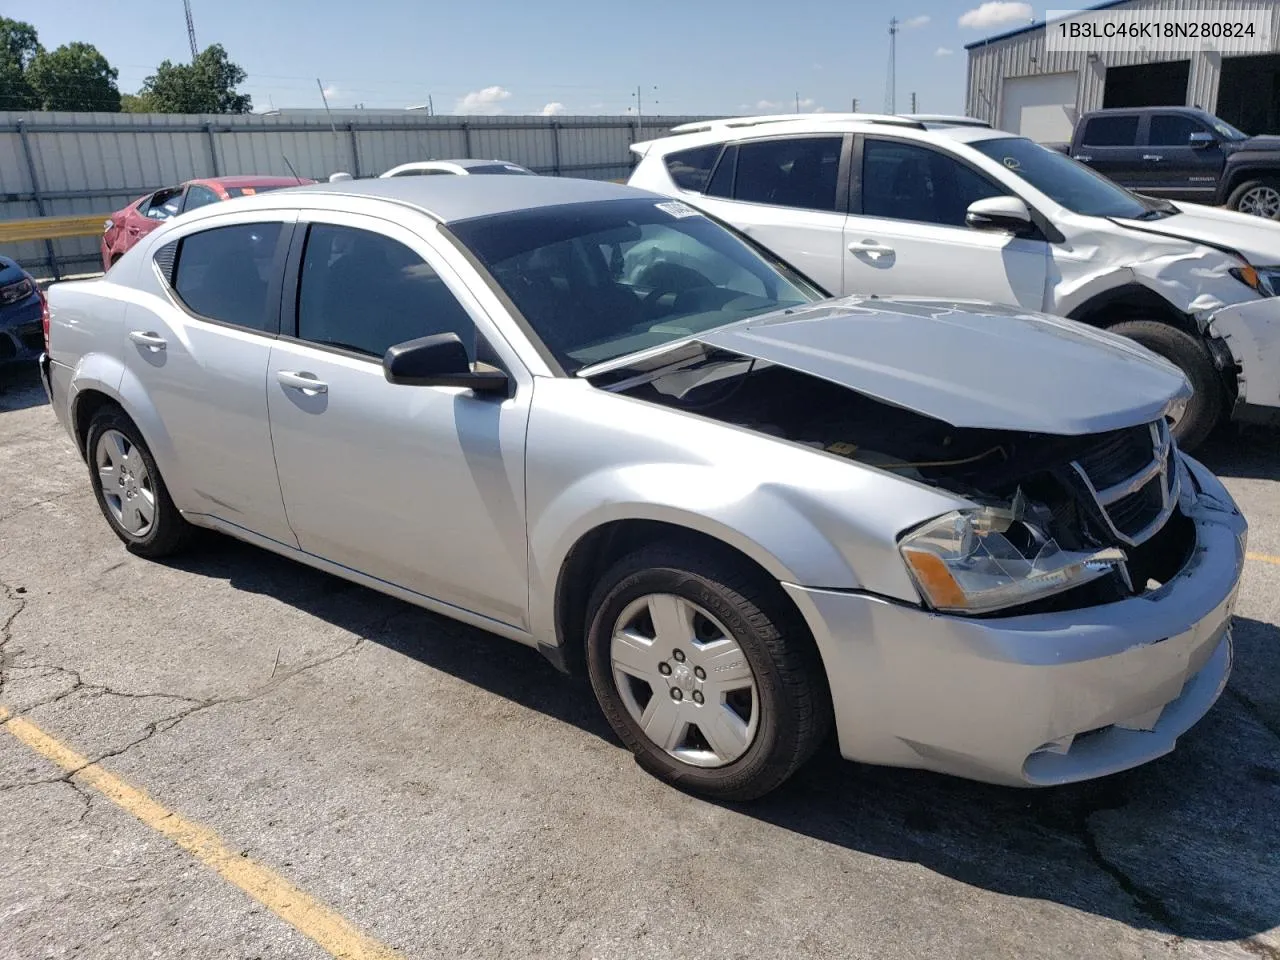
pixel 1265 281
pixel 979 560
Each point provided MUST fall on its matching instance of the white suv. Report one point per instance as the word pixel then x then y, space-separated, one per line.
pixel 948 207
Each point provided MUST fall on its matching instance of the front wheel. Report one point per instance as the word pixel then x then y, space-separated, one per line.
pixel 1260 198
pixel 705 671
pixel 1190 355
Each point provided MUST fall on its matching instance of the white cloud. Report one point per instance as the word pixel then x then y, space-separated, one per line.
pixel 943 52
pixel 807 104
pixel 766 105
pixel 912 23
pixel 995 13
pixel 488 100
pixel 553 109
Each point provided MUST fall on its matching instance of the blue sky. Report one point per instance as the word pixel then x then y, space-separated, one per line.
pixel 490 56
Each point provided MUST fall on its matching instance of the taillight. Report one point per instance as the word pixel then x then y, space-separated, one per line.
pixel 44 316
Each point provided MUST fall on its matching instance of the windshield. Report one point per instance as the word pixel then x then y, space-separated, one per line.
pixel 1067 181
pixel 597 281
pixel 1225 130
pixel 510 168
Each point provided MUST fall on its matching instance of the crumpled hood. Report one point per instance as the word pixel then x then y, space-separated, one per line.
pixel 1257 238
pixel 969 364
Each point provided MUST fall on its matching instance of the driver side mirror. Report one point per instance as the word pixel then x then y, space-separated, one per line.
pixel 440 360
pixel 1200 139
pixel 1000 213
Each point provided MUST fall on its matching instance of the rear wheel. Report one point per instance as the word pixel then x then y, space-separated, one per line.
pixel 129 489
pixel 705 671
pixel 1191 356
pixel 1261 198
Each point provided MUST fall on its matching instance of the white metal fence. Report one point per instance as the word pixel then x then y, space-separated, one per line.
pixel 55 164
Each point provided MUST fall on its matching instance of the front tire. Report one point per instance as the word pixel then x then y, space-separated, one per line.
pixel 129 489
pixel 1259 198
pixel 1190 355
pixel 705 671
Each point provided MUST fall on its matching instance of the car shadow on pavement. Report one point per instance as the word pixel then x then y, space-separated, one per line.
pixel 1250 453
pixel 20 388
pixel 1185 845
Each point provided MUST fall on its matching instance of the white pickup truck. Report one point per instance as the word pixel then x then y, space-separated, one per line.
pixel 949 207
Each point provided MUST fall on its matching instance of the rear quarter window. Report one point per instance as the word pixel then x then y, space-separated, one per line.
pixel 690 169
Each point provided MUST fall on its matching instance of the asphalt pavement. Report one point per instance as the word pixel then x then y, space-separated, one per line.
pixel 196 748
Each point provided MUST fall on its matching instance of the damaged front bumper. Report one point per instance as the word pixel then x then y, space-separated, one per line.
pixel 1251 332
pixel 1037 699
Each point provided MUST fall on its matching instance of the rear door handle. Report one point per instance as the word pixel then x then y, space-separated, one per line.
pixel 301 380
pixel 152 341
pixel 1151 156
pixel 876 249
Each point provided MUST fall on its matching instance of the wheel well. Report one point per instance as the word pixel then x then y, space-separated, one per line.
pixel 1239 177
pixel 1124 302
pixel 596 552
pixel 88 403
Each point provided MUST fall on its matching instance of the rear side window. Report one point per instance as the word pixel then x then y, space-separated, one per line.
pixel 1173 130
pixel 225 273
pixel 690 169
pixel 163 204
pixel 800 172
pixel 1111 131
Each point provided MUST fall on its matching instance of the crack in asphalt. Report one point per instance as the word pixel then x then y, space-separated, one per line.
pixel 36 503
pixel 13 595
pixel 1147 903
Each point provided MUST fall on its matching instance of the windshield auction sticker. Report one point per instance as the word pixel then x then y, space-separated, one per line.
pixel 1222 29
pixel 677 209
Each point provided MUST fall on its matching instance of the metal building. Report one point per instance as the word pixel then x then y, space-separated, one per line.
pixel 1018 85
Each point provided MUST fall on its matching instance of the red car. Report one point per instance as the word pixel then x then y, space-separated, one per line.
pixel 126 227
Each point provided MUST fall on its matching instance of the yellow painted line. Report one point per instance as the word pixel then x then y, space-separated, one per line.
pixel 1263 558
pixel 51 228
pixel 307 915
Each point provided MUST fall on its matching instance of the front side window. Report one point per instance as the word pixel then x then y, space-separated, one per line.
pixel 800 172
pixel 1111 131
pixel 1173 130
pixel 365 292
pixel 198 196
pixel 596 281
pixel 225 273
pixel 1063 180
pixel 690 169
pixel 904 181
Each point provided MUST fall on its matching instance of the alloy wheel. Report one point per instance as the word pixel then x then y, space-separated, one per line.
pixel 1261 201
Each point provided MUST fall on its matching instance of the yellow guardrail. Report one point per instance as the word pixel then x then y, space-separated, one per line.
pixel 51 228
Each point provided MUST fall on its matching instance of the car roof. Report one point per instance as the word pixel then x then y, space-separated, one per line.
pixel 450 199
pixel 922 127
pixel 247 180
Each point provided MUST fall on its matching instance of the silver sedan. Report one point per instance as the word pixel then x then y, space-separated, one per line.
pixel 593 420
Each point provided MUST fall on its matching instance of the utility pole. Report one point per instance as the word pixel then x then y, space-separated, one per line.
pixel 431 107
pixel 797 101
pixel 855 105
pixel 191 30
pixel 913 101
pixel 639 108
pixel 326 105
pixel 891 89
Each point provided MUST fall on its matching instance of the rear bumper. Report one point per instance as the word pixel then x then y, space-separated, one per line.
pixel 1039 699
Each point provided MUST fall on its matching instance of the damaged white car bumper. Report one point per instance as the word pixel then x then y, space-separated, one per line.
pixel 1251 332
pixel 1045 698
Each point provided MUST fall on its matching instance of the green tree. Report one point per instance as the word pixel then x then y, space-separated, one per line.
pixel 206 85
pixel 19 45
pixel 74 77
pixel 136 103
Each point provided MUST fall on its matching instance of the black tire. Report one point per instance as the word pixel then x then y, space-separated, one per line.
pixel 794 701
pixel 168 532
pixel 1187 352
pixel 1240 192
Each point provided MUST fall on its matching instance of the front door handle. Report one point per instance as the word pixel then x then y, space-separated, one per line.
pixel 1083 157
pixel 1152 156
pixel 152 341
pixel 301 380
pixel 872 247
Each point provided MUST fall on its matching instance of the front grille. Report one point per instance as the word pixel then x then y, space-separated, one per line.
pixel 1117 455
pixel 1131 479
